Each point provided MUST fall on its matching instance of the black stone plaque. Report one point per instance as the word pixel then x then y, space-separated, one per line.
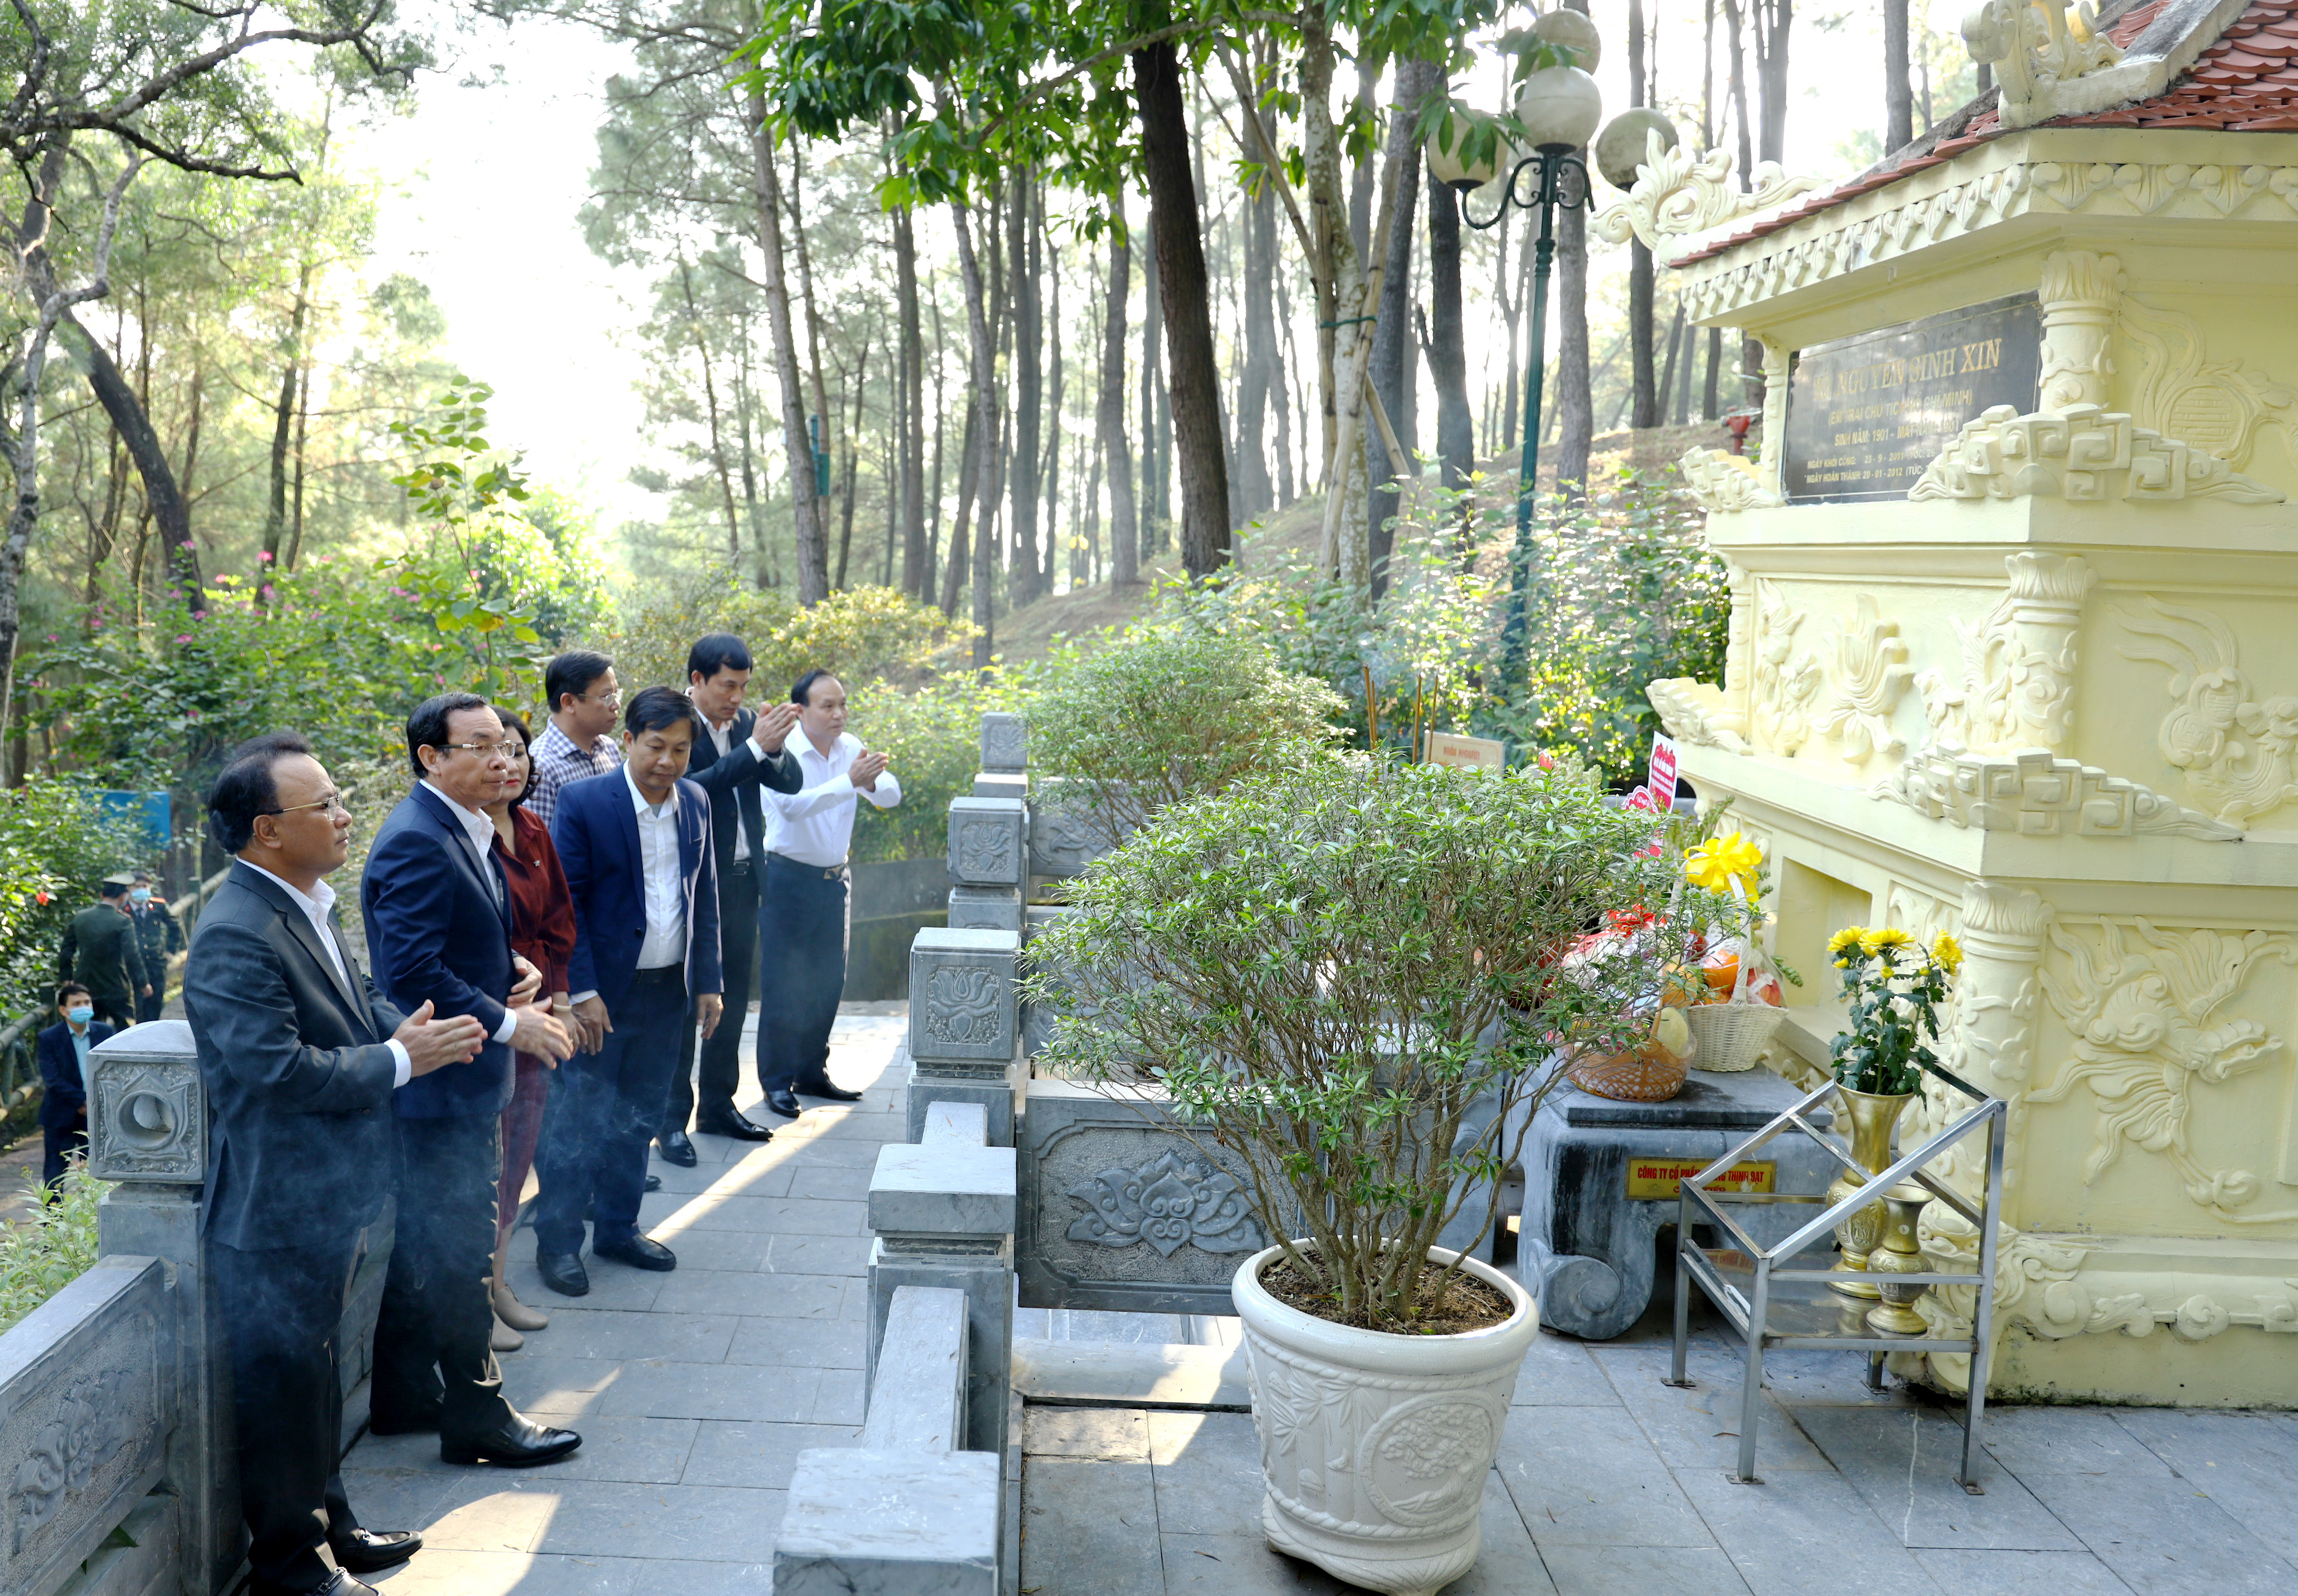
pixel 1866 414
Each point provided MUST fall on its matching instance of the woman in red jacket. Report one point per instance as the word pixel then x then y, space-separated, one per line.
pixel 542 931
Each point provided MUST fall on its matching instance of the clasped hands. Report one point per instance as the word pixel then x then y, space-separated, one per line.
pixel 432 1044
pixel 591 1018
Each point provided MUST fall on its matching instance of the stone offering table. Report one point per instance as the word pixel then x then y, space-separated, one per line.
pixel 1600 1180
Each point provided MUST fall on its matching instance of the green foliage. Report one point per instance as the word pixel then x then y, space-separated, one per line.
pixel 51 1250
pixel 1175 711
pixel 56 845
pixel 1893 986
pixel 1325 966
pixel 933 740
pixel 1624 592
pixel 862 634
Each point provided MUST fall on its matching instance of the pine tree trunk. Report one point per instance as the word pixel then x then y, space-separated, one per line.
pixel 1255 492
pixel 1448 351
pixel 1153 380
pixel 917 576
pixel 1124 533
pixel 1029 385
pixel 1899 97
pixel 1641 329
pixel 1394 368
pixel 813 547
pixel 1196 387
pixel 283 420
pixel 1053 416
pixel 985 434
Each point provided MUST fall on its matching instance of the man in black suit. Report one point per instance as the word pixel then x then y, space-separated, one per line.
pixel 438 928
pixel 739 753
pixel 63 1079
pixel 299 1054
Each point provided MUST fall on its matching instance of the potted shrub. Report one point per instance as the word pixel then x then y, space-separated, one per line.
pixel 1350 976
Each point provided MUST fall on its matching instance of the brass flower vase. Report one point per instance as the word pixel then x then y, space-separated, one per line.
pixel 1901 1254
pixel 1872 1116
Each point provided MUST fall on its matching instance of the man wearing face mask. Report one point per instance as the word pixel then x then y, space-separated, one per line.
pixel 63 1076
pixel 158 936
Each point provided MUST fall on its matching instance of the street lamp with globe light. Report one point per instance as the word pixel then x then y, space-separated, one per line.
pixel 1558 107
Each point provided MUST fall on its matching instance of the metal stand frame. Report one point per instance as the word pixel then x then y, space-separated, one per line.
pixel 1752 1313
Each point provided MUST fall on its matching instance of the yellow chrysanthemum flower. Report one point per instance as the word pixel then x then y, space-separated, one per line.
pixel 1947 953
pixel 1845 939
pixel 1883 940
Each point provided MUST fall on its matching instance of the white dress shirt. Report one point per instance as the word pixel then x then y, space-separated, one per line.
pixel 666 884
pixel 317 904
pixel 815 825
pixel 721 738
pixel 479 831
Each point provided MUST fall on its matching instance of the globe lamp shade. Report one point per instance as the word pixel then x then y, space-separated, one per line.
pixel 1447 148
pixel 1573 32
pixel 1624 144
pixel 1559 107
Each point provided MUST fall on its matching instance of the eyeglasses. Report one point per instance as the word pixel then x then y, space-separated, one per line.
pixel 333 803
pixel 605 700
pixel 506 749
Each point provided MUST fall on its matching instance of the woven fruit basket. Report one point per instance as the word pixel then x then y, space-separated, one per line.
pixel 1731 1036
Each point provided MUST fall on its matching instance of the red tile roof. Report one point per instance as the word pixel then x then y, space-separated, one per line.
pixel 2246 82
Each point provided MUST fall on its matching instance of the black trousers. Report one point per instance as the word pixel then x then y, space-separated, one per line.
pixel 431 1341
pixel 282 1308
pixel 722 1054
pixel 603 1110
pixel 147 1009
pixel 60 1143
pixel 801 970
pixel 115 1009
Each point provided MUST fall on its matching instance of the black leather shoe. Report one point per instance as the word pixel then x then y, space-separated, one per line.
pixel 564 1273
pixel 675 1147
pixel 366 1551
pixel 519 1442
pixel 654 1183
pixel 640 1252
pixel 734 1124
pixel 824 1087
pixel 419 1419
pixel 784 1103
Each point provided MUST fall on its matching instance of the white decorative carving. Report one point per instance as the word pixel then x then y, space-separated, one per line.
pixel 2017 680
pixel 2002 931
pixel 1725 482
pixel 2143 1036
pixel 1866 670
pixel 2035 45
pixel 1678 194
pixel 2036 794
pixel 1969 195
pixel 2215 405
pixel 2081 292
pixel 2235 748
pixel 1787 685
pixel 2081 453
pixel 1693 713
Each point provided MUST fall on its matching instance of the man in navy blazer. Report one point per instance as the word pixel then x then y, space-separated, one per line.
pixel 64 1098
pixel 639 866
pixel 438 930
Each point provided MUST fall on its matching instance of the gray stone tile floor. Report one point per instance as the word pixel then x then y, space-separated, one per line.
pixel 1611 1484
pixel 695 1391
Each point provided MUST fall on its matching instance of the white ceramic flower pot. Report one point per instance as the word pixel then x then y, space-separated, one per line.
pixel 1374 1447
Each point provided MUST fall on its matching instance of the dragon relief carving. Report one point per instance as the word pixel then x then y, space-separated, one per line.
pixel 2142 1021
pixel 1678 194
pixel 1694 712
pixel 91 1424
pixel 2215 405
pixel 2016 683
pixel 2082 454
pixel 1725 483
pixel 1844 690
pixel 2234 748
pixel 2036 794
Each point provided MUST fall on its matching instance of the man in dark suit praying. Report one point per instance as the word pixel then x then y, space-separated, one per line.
pixel 300 1055
pixel 737 753
pixel 635 846
pixel 438 928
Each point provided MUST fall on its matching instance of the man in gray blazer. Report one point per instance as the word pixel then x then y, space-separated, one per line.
pixel 299 1054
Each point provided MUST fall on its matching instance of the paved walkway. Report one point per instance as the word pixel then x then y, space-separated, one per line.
pixel 1612 1484
pixel 694 1391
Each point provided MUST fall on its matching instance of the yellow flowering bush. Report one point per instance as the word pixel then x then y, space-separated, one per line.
pixel 1893 988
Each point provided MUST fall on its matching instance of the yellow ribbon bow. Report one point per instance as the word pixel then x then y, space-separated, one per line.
pixel 1724 864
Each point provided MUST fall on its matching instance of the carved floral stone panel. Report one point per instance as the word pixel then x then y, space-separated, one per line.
pixel 1168 1201
pixel 985 846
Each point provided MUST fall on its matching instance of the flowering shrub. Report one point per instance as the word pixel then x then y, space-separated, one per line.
pixel 1893 987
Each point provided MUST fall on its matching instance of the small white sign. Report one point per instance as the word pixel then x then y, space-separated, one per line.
pixel 1466 753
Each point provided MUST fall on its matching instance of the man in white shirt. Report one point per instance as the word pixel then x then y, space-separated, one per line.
pixel 802 901
pixel 640 871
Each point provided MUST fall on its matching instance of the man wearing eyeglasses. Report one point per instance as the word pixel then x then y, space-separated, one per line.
pixel 579 742
pixel 438 929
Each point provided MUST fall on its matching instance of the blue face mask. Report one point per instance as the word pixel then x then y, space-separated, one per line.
pixel 79 1013
pixel 141 895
